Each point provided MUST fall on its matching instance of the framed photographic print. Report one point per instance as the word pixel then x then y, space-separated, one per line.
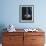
pixel 26 13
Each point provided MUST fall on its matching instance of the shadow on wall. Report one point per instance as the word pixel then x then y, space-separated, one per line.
pixel 2 26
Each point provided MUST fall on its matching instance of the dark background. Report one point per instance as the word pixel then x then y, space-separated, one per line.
pixel 24 12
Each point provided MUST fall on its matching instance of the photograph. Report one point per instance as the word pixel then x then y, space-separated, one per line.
pixel 22 23
pixel 26 13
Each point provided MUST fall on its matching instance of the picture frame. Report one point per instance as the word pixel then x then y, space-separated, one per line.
pixel 26 13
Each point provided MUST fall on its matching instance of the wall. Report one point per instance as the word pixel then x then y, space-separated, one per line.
pixel 9 13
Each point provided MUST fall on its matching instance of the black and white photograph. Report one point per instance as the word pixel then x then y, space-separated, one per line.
pixel 26 13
